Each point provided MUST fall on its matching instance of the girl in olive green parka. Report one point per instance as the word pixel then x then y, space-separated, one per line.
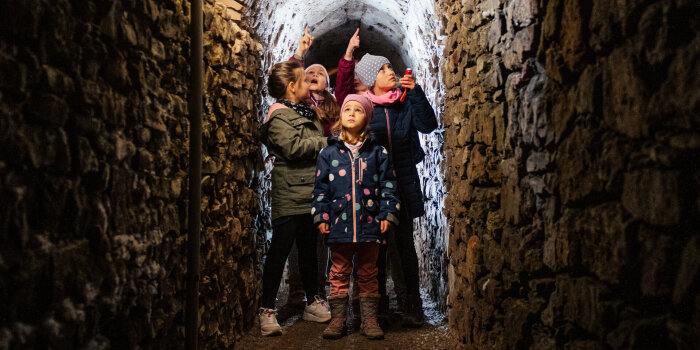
pixel 293 134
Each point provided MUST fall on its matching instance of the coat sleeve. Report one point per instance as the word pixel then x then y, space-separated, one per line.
pixel 296 58
pixel 389 204
pixel 423 116
pixel 287 141
pixel 344 80
pixel 320 207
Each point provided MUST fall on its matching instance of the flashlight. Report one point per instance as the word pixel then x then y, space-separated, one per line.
pixel 409 71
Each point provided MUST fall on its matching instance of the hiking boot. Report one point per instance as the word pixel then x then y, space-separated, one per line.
pixel 268 322
pixel 317 311
pixel 368 310
pixel 413 316
pixel 336 329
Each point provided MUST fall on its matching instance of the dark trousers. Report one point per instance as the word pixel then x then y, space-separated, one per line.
pixel 403 234
pixel 285 231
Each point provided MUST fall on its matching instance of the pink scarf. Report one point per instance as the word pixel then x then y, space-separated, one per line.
pixel 387 99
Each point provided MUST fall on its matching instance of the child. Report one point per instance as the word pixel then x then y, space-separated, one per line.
pixel 396 126
pixel 294 136
pixel 317 77
pixel 354 205
pixel 327 109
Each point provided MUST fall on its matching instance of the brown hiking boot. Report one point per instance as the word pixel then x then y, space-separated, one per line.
pixel 336 329
pixel 368 310
pixel 413 316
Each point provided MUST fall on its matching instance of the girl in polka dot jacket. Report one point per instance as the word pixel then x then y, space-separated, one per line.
pixel 354 205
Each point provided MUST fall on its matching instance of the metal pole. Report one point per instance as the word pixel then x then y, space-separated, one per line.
pixel 195 173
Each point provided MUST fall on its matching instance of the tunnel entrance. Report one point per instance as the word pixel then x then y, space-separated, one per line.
pixel 408 34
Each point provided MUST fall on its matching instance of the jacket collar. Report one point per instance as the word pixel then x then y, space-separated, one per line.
pixel 332 140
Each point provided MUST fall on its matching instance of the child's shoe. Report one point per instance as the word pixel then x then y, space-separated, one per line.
pixel 336 329
pixel 268 322
pixel 368 309
pixel 317 311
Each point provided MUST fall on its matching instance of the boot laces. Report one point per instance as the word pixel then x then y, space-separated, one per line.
pixel 337 322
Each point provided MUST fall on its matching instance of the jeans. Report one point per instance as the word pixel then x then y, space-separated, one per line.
pixel 403 235
pixel 284 233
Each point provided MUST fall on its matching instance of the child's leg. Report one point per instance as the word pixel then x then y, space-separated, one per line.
pixel 367 254
pixel 341 258
pixel 407 253
pixel 296 287
pixel 322 253
pixel 282 240
pixel 381 268
pixel 367 270
pixel 306 245
pixel 394 260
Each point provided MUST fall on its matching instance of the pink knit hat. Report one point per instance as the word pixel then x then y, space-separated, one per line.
pixel 363 100
pixel 328 79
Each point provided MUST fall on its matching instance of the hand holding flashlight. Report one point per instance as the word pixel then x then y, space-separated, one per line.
pixel 407 82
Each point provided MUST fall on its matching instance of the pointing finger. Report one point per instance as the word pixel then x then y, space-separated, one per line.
pixel 357 32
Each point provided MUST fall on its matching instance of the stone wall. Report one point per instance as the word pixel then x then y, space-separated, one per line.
pixel 93 174
pixel 572 146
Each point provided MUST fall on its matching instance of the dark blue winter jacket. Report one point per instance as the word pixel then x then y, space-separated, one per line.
pixel 405 120
pixel 352 194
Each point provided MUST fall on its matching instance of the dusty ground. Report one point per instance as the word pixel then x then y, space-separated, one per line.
pixel 300 334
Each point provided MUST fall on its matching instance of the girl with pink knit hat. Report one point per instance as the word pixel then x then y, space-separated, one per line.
pixel 354 206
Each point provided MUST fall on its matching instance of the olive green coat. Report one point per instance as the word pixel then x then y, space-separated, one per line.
pixel 295 141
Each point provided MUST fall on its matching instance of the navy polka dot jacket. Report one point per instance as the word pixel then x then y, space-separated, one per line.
pixel 353 194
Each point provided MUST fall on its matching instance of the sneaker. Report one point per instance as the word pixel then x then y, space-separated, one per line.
pixel 318 311
pixel 268 322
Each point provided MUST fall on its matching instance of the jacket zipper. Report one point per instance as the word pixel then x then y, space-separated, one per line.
pixel 354 212
pixel 388 132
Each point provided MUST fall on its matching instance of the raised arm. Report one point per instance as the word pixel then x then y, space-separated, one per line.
pixel 345 78
pixel 304 45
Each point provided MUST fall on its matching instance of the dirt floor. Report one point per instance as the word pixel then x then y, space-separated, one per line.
pixel 300 334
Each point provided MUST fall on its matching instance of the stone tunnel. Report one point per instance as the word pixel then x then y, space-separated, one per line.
pixel 562 185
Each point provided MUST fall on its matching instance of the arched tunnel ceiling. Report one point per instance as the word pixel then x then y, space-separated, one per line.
pixel 406 31
pixel 328 47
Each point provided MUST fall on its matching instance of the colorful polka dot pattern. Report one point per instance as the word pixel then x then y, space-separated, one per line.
pixel 334 182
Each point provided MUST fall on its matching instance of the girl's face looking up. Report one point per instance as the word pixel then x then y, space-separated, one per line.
pixel 353 118
pixel 386 79
pixel 316 78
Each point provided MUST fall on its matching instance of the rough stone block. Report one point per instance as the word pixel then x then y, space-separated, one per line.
pixel 652 196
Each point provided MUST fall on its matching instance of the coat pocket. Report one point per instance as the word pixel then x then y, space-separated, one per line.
pixel 299 185
pixel 339 215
